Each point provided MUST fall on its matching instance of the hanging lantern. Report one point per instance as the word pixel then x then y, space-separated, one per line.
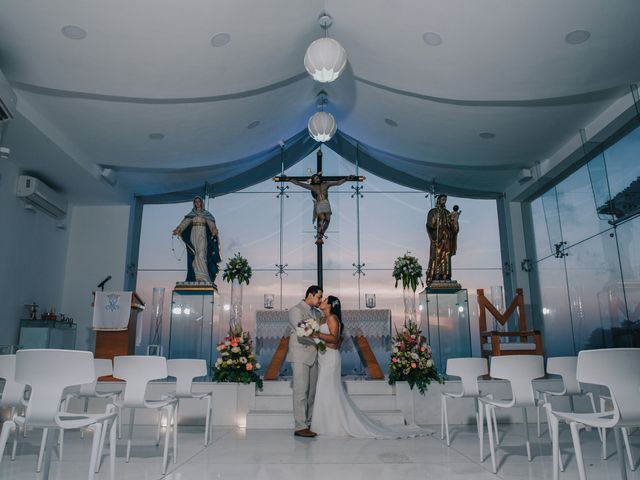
pixel 322 126
pixel 325 60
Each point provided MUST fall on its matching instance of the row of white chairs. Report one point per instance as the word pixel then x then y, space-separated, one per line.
pixel 520 371
pixel 41 384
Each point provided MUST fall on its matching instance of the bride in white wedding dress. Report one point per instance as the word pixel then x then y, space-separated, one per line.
pixel 334 413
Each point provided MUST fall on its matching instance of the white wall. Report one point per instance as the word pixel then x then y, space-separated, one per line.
pixel 32 256
pixel 97 249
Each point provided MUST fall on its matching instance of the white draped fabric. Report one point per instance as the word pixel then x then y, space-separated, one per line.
pixel 111 310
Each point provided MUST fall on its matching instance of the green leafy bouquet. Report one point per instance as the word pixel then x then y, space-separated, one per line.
pixel 237 269
pixel 236 361
pixel 411 359
pixel 408 270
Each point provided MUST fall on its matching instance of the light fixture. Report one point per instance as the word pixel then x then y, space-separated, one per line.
pixel 253 124
pixel 156 136
pixel 432 39
pixel 390 122
pixel 577 37
pixel 322 126
pixel 325 59
pixel 109 175
pixel 220 39
pixel 74 32
pixel 487 135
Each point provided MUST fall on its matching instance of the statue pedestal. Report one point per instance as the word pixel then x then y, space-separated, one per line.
pixel 443 286
pixel 444 318
pixel 192 328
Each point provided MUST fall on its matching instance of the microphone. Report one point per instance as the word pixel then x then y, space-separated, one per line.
pixel 101 284
pixel 456 208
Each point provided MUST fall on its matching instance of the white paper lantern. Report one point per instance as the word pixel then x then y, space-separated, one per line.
pixel 325 60
pixel 322 126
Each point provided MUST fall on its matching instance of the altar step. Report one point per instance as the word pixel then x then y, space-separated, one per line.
pixel 273 405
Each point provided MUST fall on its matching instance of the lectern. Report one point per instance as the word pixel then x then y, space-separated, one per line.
pixel 111 344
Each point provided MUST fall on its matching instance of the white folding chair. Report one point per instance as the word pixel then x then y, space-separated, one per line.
pixel 184 371
pixel 520 371
pixel 12 396
pixel 618 370
pixel 468 369
pixel 103 367
pixel 48 372
pixel 566 368
pixel 605 401
pixel 137 371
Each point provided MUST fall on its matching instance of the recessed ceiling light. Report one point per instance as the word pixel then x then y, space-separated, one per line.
pixel 487 135
pixel 156 136
pixel 220 39
pixel 253 124
pixel 74 32
pixel 390 122
pixel 432 38
pixel 577 36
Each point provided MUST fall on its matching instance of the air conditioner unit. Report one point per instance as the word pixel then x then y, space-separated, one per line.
pixel 35 192
pixel 8 100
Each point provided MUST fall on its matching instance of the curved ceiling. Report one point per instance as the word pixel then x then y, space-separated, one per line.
pixel 151 67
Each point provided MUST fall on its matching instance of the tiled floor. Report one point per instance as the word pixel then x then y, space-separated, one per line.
pixel 277 454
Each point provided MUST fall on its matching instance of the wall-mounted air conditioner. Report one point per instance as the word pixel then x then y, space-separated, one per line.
pixel 8 100
pixel 35 192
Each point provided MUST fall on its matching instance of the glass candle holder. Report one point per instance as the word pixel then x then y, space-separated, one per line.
pixel 268 300
pixel 370 300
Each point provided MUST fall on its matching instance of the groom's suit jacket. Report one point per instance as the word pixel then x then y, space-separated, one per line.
pixel 302 350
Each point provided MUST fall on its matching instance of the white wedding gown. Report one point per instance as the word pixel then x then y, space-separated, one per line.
pixel 335 414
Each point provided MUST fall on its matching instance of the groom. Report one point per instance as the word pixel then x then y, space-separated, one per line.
pixel 303 356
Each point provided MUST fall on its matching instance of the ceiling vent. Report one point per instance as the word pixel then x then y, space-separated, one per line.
pixel 37 193
pixel 8 100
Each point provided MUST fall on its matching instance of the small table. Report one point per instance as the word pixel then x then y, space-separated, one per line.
pixel 47 334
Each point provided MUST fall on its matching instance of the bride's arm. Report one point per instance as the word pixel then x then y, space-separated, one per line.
pixel 334 336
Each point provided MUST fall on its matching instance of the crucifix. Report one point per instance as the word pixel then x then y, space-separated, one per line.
pixel 319 186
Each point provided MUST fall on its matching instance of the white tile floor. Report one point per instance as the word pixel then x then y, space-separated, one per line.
pixel 277 454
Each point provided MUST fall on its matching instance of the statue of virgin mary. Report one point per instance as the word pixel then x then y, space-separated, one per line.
pixel 200 235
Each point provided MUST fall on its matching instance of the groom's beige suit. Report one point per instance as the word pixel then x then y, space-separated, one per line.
pixel 303 356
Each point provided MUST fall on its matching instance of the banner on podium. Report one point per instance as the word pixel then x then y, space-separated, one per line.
pixel 111 310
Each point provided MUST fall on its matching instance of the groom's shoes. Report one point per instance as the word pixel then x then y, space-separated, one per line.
pixel 305 432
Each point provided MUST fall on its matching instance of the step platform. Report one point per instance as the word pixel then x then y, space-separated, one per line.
pixel 273 405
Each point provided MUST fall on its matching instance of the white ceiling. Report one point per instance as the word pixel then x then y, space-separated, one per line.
pixel 149 67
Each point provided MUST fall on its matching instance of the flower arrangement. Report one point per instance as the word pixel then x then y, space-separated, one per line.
pixel 237 269
pixel 408 270
pixel 236 361
pixel 411 359
pixel 306 328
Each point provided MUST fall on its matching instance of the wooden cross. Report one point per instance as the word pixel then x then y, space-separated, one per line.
pixel 322 221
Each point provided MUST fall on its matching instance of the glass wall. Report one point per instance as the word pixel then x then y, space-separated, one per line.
pixel 275 232
pixel 586 232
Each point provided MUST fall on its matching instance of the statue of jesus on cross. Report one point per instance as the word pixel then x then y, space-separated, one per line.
pixel 319 186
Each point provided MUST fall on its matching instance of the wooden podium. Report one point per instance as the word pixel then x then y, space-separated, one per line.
pixel 111 344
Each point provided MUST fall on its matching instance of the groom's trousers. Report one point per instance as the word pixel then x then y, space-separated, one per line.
pixel 304 392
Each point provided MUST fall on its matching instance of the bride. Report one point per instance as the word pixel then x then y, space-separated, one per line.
pixel 334 413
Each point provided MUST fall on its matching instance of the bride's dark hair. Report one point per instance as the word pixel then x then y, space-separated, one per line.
pixel 336 309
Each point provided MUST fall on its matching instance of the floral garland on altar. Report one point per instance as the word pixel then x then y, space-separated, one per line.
pixel 236 361
pixel 408 270
pixel 237 268
pixel 411 359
